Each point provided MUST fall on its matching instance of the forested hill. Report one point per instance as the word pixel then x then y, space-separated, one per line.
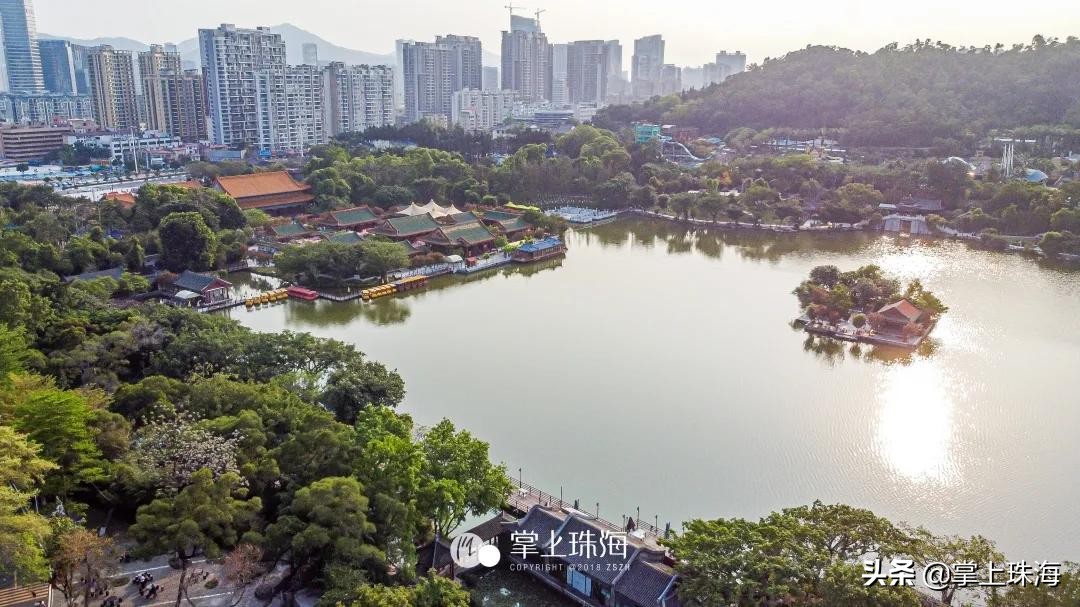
pixel 897 96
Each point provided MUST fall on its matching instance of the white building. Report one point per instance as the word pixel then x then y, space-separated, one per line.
pixel 245 85
pixel 299 124
pixel 121 145
pixel 482 110
pixel 357 97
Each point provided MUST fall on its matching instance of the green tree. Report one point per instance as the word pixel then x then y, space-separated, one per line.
pixel 186 242
pixel 326 523
pixel 682 204
pixel 930 548
pixel 207 517
pixel 381 257
pixel 463 480
pixel 23 532
pixel 59 421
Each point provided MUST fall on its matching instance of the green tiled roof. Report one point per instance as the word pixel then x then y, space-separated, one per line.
pixel 345 237
pixel 353 216
pixel 514 225
pixel 409 226
pixel 466 217
pixel 500 215
pixel 293 228
pixel 469 233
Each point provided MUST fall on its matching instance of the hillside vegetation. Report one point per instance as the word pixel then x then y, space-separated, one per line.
pixel 921 94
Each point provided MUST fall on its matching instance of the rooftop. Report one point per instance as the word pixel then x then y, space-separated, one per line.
pixel 260 184
pixel 413 225
pixel 194 281
pixel 353 216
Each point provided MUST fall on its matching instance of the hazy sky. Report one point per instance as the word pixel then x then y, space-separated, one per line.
pixel 694 29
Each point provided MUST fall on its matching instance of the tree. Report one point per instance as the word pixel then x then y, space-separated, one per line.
pixel 381 257
pixel 186 242
pixel 243 565
pixel 930 548
pixel 462 478
pixel 826 276
pixel 803 555
pixel 682 204
pixel 169 452
pixel 59 421
pixel 208 516
pixel 430 591
pixel 326 523
pixel 349 390
pixel 22 532
pixel 80 560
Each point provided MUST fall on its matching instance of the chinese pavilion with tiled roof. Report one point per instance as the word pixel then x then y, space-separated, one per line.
pixel 289 231
pixel 274 192
pixel 627 571
pixel 409 227
pixel 355 218
pixel 472 238
pixel 512 225
pixel 345 237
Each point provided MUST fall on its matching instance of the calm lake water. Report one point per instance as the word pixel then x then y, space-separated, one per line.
pixel 657 368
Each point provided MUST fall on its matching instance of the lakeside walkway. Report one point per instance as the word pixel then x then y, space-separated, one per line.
pixel 524 496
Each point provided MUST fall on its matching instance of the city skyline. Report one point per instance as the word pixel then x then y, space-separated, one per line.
pixel 690 42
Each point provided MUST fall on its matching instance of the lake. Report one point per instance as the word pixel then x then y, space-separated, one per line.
pixel 657 368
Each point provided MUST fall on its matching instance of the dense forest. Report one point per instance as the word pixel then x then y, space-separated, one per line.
pixel 916 95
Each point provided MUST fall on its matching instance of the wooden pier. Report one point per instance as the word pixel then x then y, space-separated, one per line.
pixel 524 496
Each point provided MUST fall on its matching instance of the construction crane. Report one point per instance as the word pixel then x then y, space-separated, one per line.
pixel 538 11
pixel 510 7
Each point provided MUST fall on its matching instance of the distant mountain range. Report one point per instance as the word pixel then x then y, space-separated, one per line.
pixel 294 37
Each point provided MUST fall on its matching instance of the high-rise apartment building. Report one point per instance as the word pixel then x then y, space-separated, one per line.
pixel 298 124
pixel 482 111
pixel 560 88
pixel 22 58
pixel 526 60
pixel 728 64
pixel 311 53
pixel 491 78
pixel 156 68
pixel 587 71
pixel 184 96
pixel 428 80
pixel 357 97
pixel 44 108
pixel 111 75
pixel 245 84
pixel 616 86
pixel 646 65
pixel 466 61
pixel 63 67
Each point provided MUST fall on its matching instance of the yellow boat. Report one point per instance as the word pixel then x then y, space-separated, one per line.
pixel 264 298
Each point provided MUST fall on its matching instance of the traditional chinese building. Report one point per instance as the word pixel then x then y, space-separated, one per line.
pixel 292 230
pixel 897 315
pixel 552 246
pixel 591 562
pixel 197 290
pixel 355 218
pixel 471 238
pixel 511 225
pixel 406 228
pixel 274 192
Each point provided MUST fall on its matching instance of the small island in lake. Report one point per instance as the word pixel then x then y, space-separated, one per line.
pixel 865 305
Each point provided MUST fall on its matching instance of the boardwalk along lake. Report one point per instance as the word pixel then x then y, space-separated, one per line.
pixel 657 367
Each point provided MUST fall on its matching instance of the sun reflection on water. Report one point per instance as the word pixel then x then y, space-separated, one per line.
pixel 916 434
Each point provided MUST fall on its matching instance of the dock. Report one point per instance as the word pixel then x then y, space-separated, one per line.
pixel 524 496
